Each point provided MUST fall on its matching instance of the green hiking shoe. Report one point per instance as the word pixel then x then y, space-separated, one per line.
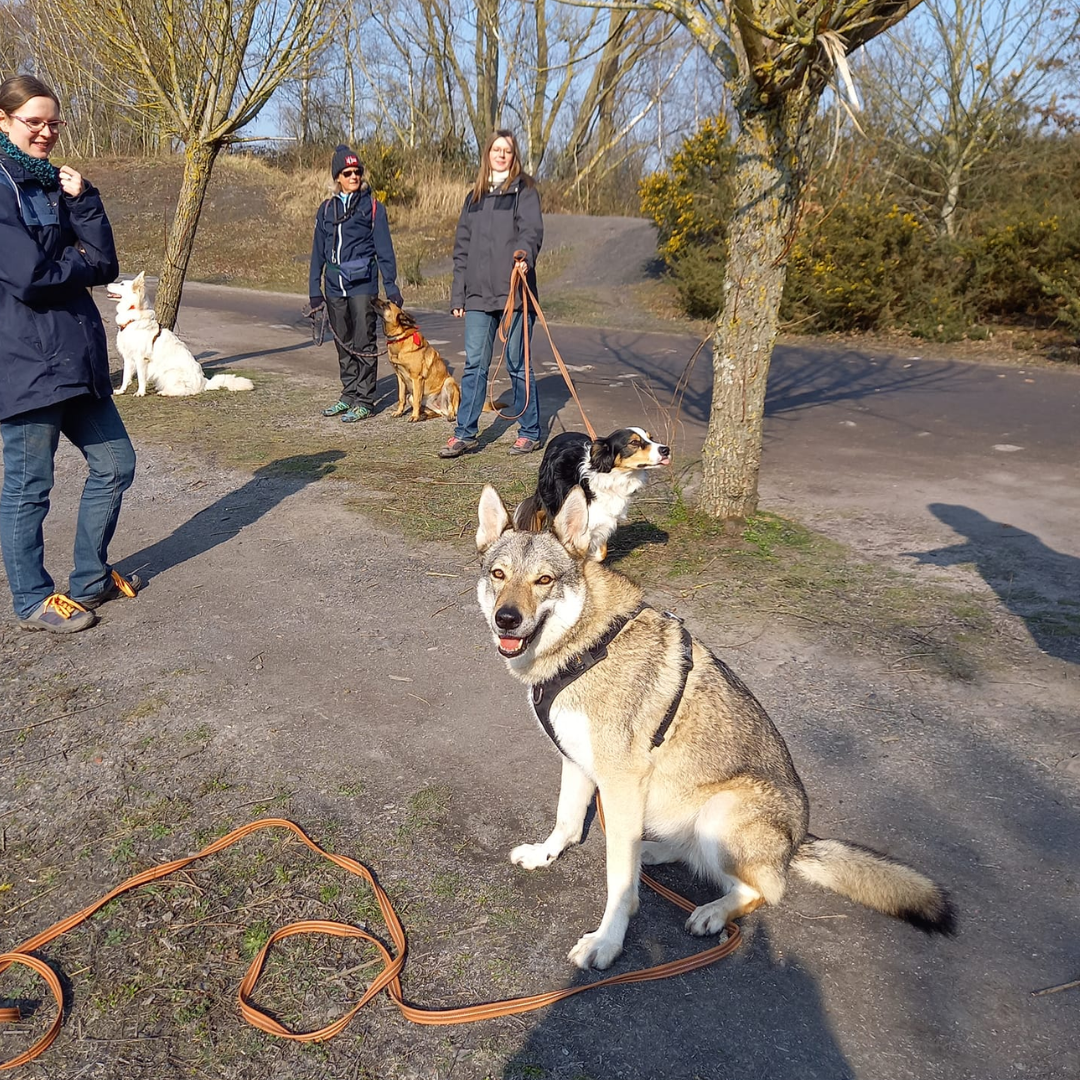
pixel 357 412
pixel 336 409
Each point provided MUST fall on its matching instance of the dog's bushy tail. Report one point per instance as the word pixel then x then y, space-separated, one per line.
pixel 876 881
pixel 228 381
pixel 530 515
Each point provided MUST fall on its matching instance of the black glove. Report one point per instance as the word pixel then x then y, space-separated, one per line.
pixel 395 298
pixel 316 302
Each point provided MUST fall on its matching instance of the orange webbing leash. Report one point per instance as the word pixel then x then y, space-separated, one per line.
pixel 388 979
pixel 519 283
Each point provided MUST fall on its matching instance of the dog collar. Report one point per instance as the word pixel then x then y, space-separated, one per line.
pixel 415 335
pixel 544 694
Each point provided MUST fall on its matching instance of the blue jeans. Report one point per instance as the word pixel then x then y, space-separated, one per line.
pixel 480 330
pixel 30 442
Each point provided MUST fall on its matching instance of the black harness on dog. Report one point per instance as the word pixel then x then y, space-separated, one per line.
pixel 543 694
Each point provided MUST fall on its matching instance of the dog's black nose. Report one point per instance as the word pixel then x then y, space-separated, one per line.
pixel 665 451
pixel 508 618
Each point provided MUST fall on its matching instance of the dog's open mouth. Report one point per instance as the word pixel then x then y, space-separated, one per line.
pixel 513 646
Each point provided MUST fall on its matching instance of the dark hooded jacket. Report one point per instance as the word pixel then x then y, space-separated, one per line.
pixel 53 249
pixel 488 233
pixel 351 247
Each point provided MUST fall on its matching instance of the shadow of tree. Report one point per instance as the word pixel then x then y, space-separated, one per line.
pixel 1034 582
pixel 222 520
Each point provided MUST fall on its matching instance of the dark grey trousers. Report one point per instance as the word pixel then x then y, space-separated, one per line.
pixel 354 320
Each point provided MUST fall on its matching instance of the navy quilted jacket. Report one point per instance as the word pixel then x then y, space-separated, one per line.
pixel 351 247
pixel 53 248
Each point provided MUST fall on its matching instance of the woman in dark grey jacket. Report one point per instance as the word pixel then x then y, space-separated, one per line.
pixel 501 225
pixel 54 365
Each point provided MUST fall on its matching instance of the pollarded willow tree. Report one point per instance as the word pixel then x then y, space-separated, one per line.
pixel 202 70
pixel 776 58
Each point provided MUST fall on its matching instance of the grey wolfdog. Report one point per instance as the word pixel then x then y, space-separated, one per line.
pixel 678 747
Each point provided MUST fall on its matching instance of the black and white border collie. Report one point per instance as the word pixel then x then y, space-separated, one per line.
pixel 608 470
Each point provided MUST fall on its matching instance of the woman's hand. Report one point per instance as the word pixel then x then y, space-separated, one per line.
pixel 521 260
pixel 458 313
pixel 71 182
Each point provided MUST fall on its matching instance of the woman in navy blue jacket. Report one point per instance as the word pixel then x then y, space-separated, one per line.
pixel 54 365
pixel 351 247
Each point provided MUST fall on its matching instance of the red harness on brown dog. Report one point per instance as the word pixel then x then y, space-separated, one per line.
pixel 417 340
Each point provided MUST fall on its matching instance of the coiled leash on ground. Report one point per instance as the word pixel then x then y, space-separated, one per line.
pixel 519 285
pixel 389 979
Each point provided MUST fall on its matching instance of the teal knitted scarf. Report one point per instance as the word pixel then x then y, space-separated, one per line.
pixel 45 173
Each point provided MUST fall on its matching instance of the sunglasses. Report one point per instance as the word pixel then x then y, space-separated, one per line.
pixel 349 172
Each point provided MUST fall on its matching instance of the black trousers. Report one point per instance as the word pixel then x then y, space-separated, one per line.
pixel 354 320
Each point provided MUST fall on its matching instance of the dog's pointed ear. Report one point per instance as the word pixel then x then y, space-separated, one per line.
pixel 494 520
pixel 139 281
pixel 571 523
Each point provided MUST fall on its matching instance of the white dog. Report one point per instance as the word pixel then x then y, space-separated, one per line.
pixel 153 353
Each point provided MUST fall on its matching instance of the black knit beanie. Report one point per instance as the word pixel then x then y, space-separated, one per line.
pixel 343 158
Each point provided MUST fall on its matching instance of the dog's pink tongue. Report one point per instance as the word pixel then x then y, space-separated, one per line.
pixel 509 644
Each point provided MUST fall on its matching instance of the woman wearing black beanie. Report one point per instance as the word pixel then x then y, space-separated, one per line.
pixel 350 250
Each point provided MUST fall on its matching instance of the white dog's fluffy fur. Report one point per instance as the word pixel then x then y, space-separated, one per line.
pixel 155 354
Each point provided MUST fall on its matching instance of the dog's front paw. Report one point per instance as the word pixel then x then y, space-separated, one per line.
pixel 594 951
pixel 140 393
pixel 532 856
pixel 120 390
pixel 398 412
pixel 708 919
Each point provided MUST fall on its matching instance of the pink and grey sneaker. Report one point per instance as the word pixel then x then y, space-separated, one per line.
pixel 524 446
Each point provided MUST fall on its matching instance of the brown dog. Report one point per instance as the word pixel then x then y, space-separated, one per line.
pixel 423 379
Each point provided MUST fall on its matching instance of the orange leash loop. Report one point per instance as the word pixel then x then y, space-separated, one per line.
pixel 519 282
pixel 389 979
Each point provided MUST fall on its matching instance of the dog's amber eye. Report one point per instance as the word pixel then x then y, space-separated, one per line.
pixel 497 574
pixel 544 579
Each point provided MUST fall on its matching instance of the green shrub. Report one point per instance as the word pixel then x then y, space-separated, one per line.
pixel 867 265
pixel 698 274
pixel 691 205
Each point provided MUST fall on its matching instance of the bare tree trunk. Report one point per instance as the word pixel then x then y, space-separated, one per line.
pixel 768 185
pixel 199 160
pixel 487 69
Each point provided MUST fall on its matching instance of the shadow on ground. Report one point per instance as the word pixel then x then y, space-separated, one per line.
pixel 222 520
pixel 1034 582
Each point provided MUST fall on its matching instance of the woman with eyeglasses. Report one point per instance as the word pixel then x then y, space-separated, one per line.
pixel 351 248
pixel 501 227
pixel 57 243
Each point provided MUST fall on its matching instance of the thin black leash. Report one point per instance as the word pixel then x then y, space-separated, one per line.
pixel 320 323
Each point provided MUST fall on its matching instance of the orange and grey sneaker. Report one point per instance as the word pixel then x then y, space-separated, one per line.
pixel 59 614
pixel 118 585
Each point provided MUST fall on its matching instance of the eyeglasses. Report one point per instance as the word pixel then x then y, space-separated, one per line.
pixel 349 173
pixel 34 125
